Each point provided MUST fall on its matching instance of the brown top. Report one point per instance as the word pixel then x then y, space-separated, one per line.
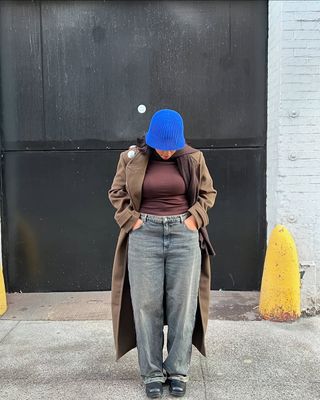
pixel 163 190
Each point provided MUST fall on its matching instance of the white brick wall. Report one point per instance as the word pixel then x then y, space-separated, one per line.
pixel 293 135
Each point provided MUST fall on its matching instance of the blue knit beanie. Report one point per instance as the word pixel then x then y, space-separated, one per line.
pixel 166 130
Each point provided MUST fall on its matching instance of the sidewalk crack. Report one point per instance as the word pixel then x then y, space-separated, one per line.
pixel 8 333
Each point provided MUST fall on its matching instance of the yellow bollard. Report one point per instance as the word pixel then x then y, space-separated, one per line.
pixel 3 298
pixel 280 286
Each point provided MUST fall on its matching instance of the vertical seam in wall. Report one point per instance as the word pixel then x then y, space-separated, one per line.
pixel 3 222
pixel 44 133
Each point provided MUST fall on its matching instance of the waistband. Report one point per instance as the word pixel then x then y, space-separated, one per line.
pixel 164 218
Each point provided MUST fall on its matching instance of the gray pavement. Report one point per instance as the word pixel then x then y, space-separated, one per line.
pixel 67 352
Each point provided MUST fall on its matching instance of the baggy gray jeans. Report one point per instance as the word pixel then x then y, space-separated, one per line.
pixel 164 259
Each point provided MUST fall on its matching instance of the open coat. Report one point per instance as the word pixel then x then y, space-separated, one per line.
pixel 125 195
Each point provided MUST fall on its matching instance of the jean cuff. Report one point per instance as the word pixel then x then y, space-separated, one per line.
pixel 183 378
pixel 155 379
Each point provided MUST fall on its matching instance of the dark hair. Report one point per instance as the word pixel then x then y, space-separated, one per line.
pixel 142 145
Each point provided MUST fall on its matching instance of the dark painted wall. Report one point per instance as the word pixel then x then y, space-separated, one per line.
pixel 72 77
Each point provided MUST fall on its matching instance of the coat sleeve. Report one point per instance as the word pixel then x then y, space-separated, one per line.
pixel 207 195
pixel 125 215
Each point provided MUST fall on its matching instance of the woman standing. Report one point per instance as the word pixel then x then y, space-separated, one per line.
pixel 163 216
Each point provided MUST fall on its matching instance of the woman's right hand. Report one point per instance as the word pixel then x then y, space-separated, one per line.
pixel 138 223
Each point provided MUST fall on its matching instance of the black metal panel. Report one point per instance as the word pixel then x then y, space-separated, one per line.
pixel 237 221
pixel 61 232
pixel 100 60
pixel 60 229
pixel 21 75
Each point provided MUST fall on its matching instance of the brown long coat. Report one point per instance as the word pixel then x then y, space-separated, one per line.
pixel 125 196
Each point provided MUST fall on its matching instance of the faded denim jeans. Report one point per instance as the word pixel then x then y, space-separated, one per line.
pixel 164 259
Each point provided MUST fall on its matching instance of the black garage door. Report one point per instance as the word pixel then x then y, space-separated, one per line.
pixel 73 75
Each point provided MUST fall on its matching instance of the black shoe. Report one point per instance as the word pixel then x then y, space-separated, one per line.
pixel 177 388
pixel 154 389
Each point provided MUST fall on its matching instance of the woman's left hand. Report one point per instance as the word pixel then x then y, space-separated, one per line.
pixel 191 223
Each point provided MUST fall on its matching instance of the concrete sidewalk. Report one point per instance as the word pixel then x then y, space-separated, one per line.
pixel 68 355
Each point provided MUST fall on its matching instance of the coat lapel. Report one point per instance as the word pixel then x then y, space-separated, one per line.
pixel 135 172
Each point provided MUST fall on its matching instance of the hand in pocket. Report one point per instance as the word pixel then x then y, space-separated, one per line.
pixel 137 225
pixel 190 223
